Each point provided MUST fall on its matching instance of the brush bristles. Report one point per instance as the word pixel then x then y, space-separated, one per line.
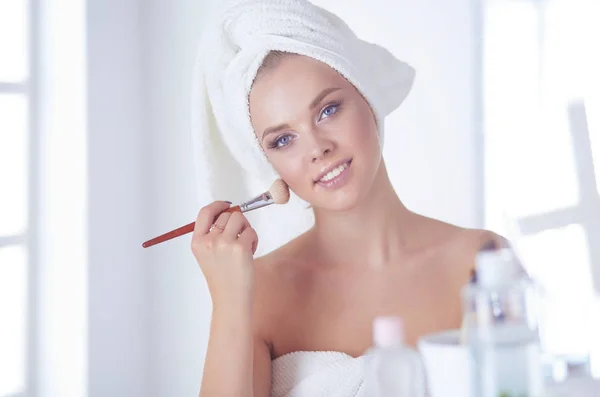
pixel 280 192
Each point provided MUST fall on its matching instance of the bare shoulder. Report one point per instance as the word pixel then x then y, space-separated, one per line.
pixel 444 234
pixel 282 269
pixel 482 239
pixel 469 242
pixel 274 265
pixel 457 246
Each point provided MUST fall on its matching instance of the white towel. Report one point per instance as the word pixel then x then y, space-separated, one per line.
pixel 229 161
pixel 317 374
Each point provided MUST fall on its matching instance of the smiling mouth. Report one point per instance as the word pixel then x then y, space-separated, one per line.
pixel 334 174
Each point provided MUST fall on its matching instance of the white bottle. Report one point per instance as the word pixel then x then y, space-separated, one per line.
pixel 392 369
pixel 501 329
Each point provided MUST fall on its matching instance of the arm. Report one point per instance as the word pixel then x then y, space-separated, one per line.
pixel 238 363
pixel 223 245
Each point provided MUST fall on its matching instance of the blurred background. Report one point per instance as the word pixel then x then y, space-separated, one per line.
pixel 95 159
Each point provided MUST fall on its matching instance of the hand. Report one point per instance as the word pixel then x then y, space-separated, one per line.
pixel 223 244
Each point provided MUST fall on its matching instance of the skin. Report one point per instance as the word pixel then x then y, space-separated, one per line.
pixel 367 254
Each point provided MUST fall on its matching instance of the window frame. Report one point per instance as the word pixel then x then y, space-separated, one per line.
pixel 28 88
pixel 527 225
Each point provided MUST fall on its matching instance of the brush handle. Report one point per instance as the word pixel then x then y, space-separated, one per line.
pixel 181 230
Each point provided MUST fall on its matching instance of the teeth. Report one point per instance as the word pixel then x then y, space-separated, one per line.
pixel 335 172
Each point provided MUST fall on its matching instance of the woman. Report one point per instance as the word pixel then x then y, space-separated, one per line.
pixel 366 255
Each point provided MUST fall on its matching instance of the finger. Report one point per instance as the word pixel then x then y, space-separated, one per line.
pixel 207 215
pixel 221 222
pixel 235 225
pixel 249 239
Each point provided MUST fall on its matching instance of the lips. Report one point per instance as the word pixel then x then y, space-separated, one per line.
pixel 332 171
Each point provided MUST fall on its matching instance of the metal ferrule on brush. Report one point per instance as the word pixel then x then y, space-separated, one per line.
pixel 258 202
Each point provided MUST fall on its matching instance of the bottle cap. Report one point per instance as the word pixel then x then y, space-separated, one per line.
pixel 496 268
pixel 388 331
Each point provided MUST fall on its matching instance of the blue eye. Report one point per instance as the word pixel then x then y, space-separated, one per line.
pixel 280 142
pixel 330 110
pixel 284 140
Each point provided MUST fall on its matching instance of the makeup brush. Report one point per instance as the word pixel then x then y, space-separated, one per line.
pixel 279 193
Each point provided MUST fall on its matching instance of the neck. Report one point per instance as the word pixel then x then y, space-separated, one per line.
pixel 373 232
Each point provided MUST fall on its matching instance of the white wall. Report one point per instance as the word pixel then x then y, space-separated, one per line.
pixel 431 148
pixel 59 257
pixel 92 334
pixel 118 207
pixel 180 304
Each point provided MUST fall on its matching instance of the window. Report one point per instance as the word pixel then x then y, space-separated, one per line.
pixel 14 196
pixel 540 66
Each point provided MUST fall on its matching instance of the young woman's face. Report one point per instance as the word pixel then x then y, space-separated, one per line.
pixel 317 131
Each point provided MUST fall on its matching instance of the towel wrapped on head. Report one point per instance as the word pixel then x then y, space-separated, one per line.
pixel 229 161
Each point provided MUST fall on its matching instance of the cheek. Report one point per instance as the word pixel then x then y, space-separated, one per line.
pixel 364 135
pixel 290 168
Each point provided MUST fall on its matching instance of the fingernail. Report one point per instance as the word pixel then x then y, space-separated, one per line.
pixel 228 202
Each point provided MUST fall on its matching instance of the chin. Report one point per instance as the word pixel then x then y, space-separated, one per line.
pixel 342 200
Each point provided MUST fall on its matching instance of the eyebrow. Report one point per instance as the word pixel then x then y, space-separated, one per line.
pixel 312 105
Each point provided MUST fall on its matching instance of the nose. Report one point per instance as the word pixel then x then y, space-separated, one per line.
pixel 321 147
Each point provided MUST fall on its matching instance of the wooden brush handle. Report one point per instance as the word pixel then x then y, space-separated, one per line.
pixel 181 230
